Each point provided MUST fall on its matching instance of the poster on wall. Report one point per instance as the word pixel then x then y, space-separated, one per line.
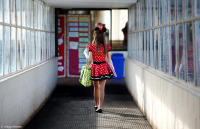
pixel 78 31
pixel 61 46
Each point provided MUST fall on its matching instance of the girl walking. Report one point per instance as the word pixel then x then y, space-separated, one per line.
pixel 100 70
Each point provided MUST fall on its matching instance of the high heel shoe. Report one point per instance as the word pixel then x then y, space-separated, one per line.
pixel 99 110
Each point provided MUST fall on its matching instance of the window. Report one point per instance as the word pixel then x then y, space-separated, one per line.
pixel 197 42
pixel 119 28
pixel 1 11
pixel 155 12
pixel 189 53
pixel 156 48
pixel 161 49
pixel 181 60
pixel 165 11
pixel 13 21
pixel 24 12
pixel 28 48
pixel 28 12
pixel 6 54
pixel 160 10
pixel 18 39
pixel 18 11
pixel 148 47
pixel 13 49
pixel 166 49
pixel 197 7
pixel 19 65
pixel 141 47
pixel 23 48
pixel 38 46
pixel 151 48
pixel 173 50
pixel 1 50
pixel 188 8
pixel 172 10
pixel 32 47
pixel 179 9
pixel 6 11
pixel 145 47
pixel 170 38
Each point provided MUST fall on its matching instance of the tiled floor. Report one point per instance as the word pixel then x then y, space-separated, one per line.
pixel 71 107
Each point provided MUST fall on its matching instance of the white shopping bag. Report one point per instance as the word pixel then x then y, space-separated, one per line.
pixel 113 69
pixel 86 53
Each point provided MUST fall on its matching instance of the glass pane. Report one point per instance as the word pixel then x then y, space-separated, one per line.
pixel 13 20
pixel 6 50
pixel 33 48
pixel 48 46
pixel 148 47
pixel 165 11
pixel 145 48
pixel 179 9
pixel 13 49
pixel 172 10
pixel 151 48
pixel 189 53
pixel 23 46
pixel 31 13
pixel 1 10
pixel 197 40
pixel 40 15
pixel 119 26
pixel 137 46
pixel 28 48
pixel 160 10
pixel 166 49
pixel 156 48
pixel 161 49
pixel 38 54
pixel 142 46
pixel 173 50
pixel 188 8
pixel 53 44
pixel 6 11
pixel 155 12
pixel 24 12
pixel 149 7
pixel 28 13
pixel 197 7
pixel 1 50
pixel 181 56
pixel 18 9
pixel 53 21
pixel 35 12
pixel 19 65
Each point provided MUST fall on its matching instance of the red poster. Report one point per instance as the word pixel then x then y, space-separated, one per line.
pixel 61 46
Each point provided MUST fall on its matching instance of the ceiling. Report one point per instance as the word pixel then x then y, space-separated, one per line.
pixel 69 4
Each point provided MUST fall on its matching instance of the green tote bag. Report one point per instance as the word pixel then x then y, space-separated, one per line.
pixel 85 76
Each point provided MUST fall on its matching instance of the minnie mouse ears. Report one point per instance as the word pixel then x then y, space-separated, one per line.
pixel 103 29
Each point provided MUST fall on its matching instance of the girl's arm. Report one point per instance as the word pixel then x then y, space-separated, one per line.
pixel 109 57
pixel 90 57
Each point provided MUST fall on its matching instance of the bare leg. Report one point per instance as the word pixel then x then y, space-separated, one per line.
pixel 96 92
pixel 102 87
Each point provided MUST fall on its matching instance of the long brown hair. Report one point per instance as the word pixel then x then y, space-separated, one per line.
pixel 99 38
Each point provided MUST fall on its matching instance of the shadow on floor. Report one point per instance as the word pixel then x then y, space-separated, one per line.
pixel 71 107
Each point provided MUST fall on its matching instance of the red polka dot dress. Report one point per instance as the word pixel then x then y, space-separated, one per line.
pixel 99 68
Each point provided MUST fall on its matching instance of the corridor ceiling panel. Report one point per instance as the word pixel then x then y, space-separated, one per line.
pixel 69 4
